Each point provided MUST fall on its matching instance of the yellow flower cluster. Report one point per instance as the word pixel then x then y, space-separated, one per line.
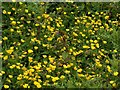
pixel 51 49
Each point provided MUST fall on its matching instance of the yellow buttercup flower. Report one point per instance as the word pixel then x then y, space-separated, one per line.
pixel 58 25
pixel 4 12
pixel 48 76
pixel 62 77
pixel 79 70
pixel 13 23
pixel 26 11
pixel 25 85
pixel 10 76
pixel 67 72
pixel 0 74
pixel 86 47
pixel 30 59
pixel 107 61
pixel 114 85
pixel 9 51
pixel 5 38
pixel 22 40
pixel 111 82
pixel 11 30
pixel 80 75
pixel 64 12
pixel 92 47
pixel 35 47
pixel 37 24
pixel 115 51
pixel 44 56
pixel 49 39
pixel 13 8
pixel 45 62
pixel 30 51
pixel 9 13
pixel 97 45
pixel 51 59
pixel 6 86
pixel 37 84
pixel 55 79
pixel 106 17
pixel 104 42
pixel 75 34
pixel 38 17
pixel 5 57
pixel 115 73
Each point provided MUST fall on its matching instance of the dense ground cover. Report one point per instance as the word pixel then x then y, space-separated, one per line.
pixel 60 45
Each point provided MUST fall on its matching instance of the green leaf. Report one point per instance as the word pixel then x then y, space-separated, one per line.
pixel 64 55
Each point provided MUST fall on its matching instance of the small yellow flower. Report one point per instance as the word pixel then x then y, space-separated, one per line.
pixel 62 77
pixel 4 12
pixel 30 59
pixel 5 57
pixel 22 40
pixel 13 23
pixel 13 9
pixel 80 75
pixel 45 62
pixel 55 79
pixel 106 17
pixel 10 76
pixel 51 59
pixel 9 51
pixel 9 13
pixel 75 68
pixel 58 25
pixel 49 39
pixel 38 17
pixel 67 72
pixel 20 3
pixel 107 61
pixel 22 18
pixel 30 51
pixel 79 70
pixel 18 67
pixel 114 85
pixel 67 29
pixel 115 51
pixel 44 56
pixel 37 24
pixel 111 82
pixel 35 47
pixel 64 12
pixel 5 38
pixel 86 47
pixel 28 21
pixel 37 84
pixel 6 86
pixel 75 34
pixel 26 11
pixel 115 73
pixel 25 85
pixel 0 74
pixel 43 26
pixel 48 76
pixel 97 45
pixel 11 30
pixel 92 47
pixel 104 42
